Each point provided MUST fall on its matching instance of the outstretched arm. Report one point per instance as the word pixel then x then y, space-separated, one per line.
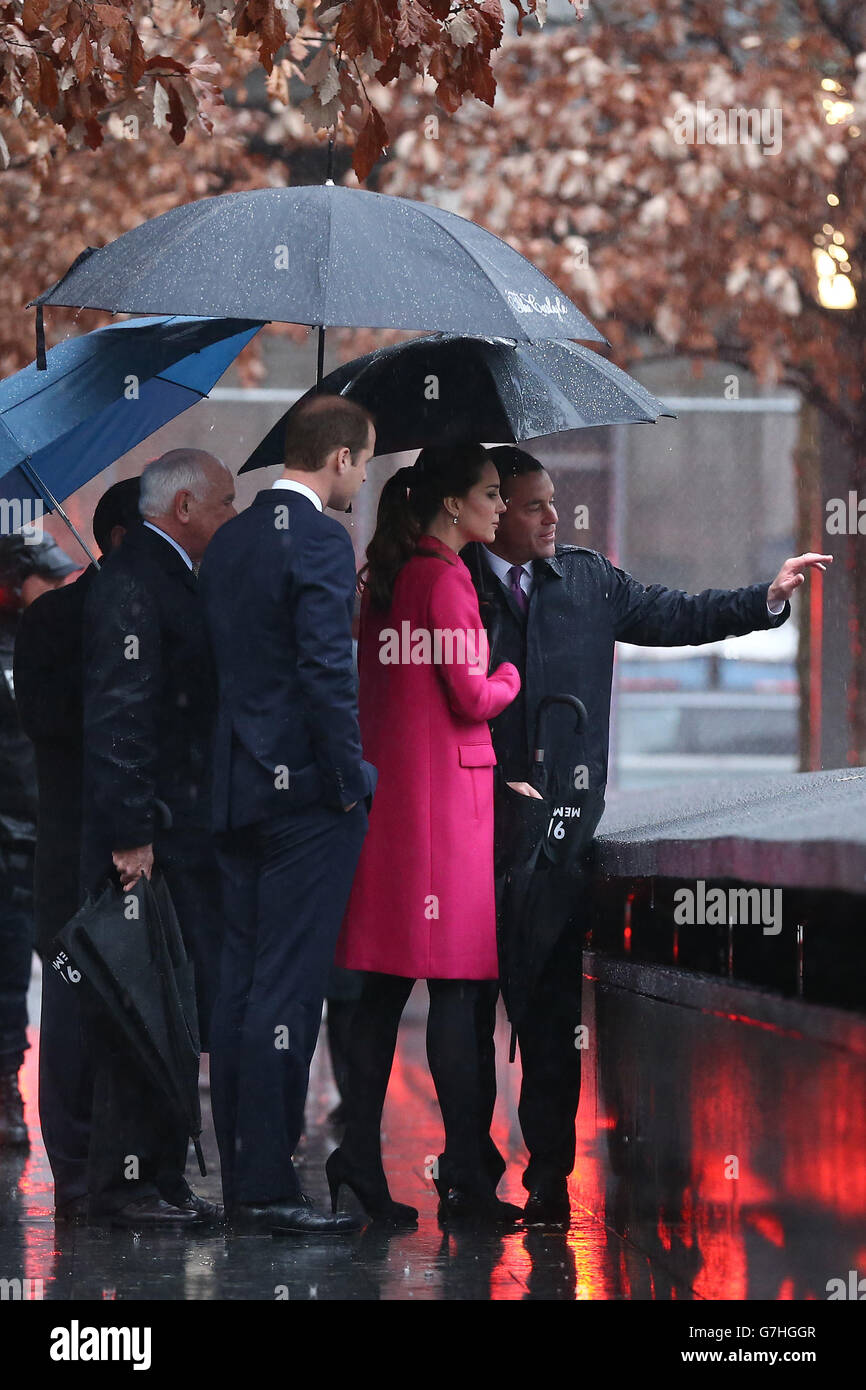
pixel 656 616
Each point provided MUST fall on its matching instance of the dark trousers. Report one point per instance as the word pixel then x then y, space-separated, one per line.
pixel 286 883
pixel 457 1051
pixel 189 865
pixel 16 953
pixel 65 1084
pixel 550 1063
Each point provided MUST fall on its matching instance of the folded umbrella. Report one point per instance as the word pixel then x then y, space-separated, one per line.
pixel 103 393
pixel 129 948
pixel 540 849
pixel 494 389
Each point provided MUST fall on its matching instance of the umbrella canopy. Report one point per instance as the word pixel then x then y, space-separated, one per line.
pixel 323 255
pixel 136 964
pixel 493 389
pixel 540 848
pixel 103 393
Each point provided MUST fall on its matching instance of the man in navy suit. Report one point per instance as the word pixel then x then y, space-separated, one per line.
pixel 290 799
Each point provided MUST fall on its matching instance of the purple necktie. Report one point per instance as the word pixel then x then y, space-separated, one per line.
pixel 517 593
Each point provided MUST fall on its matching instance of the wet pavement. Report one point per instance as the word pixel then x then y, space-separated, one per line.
pixel 721 1155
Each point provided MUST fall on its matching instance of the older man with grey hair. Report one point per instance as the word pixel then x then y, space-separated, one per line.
pixel 149 702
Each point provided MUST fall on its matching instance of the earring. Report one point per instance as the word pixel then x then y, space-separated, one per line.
pixel 455 519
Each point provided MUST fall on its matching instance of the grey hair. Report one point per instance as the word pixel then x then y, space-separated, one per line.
pixel 180 470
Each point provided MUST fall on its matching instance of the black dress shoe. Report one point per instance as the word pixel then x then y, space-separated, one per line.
pixel 211 1213
pixel 13 1130
pixel 461 1204
pixel 73 1213
pixel 294 1217
pixel 547 1208
pixel 150 1214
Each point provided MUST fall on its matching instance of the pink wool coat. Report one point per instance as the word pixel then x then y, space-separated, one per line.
pixel 422 903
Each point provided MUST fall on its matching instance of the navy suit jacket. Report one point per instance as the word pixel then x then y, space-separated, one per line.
pixel 278 585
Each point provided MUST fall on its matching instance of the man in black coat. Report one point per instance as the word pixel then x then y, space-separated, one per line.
pixel 149 702
pixel 289 800
pixel 555 612
pixel 29 566
pixel 49 688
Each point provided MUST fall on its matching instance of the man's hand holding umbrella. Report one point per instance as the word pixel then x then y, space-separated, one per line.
pixel 132 863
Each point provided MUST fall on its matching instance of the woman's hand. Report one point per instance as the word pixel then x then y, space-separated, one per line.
pixel 526 790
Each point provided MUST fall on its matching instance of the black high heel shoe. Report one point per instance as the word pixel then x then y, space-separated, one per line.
pixel 372 1193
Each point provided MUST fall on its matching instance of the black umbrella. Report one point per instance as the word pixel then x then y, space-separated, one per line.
pixel 448 388
pixel 129 948
pixel 322 255
pixel 540 848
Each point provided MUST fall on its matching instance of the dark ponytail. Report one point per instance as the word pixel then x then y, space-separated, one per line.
pixel 408 503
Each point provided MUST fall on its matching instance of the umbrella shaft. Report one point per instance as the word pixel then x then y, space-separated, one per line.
pixel 320 362
pixel 52 501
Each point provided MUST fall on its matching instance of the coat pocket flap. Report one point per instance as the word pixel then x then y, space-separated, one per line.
pixel 477 755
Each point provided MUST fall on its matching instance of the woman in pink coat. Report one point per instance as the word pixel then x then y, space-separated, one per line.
pixel 422 903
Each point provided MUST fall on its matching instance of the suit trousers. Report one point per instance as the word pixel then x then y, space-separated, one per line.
pixel 550 1064
pixel 16 958
pixel 550 1059
pixel 188 863
pixel 286 883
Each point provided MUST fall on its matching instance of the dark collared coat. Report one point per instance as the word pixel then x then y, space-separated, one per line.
pixel 580 605
pixel 149 696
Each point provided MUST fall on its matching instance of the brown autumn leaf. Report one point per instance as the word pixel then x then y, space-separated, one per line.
pixel 110 15
pixel 32 15
pixel 49 95
pixel 176 114
pixel 370 144
pixel 83 57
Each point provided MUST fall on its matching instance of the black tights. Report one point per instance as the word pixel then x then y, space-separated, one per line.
pixel 460 1074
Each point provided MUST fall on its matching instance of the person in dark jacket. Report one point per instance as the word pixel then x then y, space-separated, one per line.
pixel 49 689
pixel 28 567
pixel 555 612
pixel 149 703
pixel 290 799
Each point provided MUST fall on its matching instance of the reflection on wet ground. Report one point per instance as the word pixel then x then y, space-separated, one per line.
pixel 721 1155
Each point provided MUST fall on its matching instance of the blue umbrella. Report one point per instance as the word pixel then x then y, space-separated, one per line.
pixel 103 393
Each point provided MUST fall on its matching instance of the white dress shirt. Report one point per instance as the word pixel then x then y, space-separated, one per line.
pixel 302 489
pixel 173 543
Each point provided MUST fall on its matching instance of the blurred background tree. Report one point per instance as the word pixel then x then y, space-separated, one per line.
pixel 746 251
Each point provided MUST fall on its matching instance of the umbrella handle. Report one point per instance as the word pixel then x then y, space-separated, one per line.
pixel 544 704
